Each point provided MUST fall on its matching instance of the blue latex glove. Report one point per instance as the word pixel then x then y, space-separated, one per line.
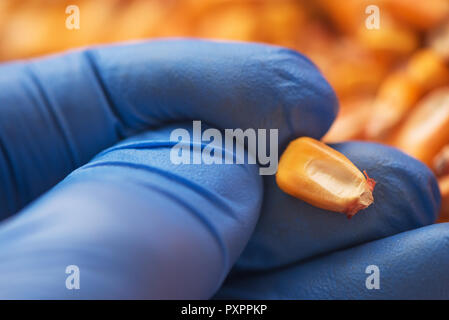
pixel 301 252
pixel 138 226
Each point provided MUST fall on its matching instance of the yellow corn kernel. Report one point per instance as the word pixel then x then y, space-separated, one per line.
pixel 351 120
pixel 235 22
pixel 323 177
pixel 441 162
pixel 395 97
pixel 438 40
pixel 423 15
pixel 426 131
pixel 392 38
pixel 347 17
pixel 428 69
pixel 444 189
pixel 424 71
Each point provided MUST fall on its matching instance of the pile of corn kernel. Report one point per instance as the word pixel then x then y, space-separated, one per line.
pixel 392 82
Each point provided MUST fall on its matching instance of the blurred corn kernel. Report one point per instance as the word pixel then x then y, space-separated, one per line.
pixel 444 188
pixel 438 40
pixel 347 18
pixel 351 120
pixel 392 38
pixel 422 15
pixel 395 98
pixel 426 131
pixel 441 162
pixel 428 69
pixel 424 71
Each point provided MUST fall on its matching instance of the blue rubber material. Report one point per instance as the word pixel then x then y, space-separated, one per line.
pixel 138 226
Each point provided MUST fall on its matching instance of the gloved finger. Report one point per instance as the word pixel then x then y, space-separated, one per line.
pixel 289 230
pixel 57 112
pixel 409 265
pixel 135 225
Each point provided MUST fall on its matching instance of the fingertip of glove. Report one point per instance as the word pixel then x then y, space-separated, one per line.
pixel 407 191
pixel 247 85
pixel 312 104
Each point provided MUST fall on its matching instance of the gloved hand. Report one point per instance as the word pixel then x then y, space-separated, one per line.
pixel 138 226
pixel 301 252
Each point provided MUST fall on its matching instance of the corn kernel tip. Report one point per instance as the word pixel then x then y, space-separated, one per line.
pixel 371 182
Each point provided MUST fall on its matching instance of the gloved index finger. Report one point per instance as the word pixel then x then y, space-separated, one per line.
pixel 229 85
pixel 58 112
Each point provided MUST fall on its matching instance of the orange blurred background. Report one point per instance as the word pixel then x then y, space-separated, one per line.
pixel 331 32
pixel 391 82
